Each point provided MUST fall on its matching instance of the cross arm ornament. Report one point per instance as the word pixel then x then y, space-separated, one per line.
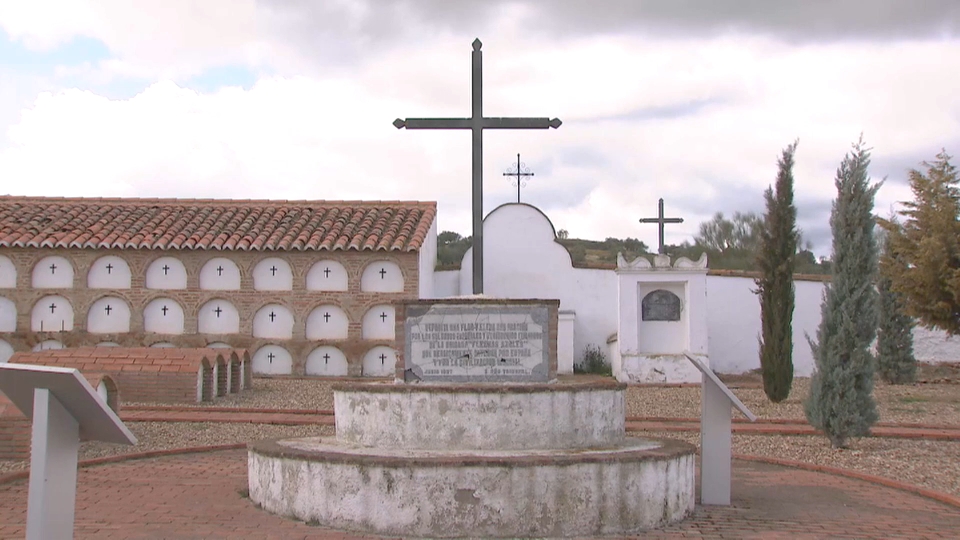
pixel 485 123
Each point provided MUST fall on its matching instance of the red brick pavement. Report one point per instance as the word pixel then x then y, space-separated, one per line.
pixel 194 496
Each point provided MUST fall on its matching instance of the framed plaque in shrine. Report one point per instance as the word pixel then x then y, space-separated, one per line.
pixel 660 305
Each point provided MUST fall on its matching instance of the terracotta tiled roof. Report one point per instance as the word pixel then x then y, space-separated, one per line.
pixel 227 225
pixel 112 359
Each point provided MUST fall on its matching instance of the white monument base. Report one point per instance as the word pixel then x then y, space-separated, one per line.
pixel 477 460
pixel 657 368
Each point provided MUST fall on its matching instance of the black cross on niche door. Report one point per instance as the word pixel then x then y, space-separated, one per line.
pixel 383 316
pixel 326 272
pixel 164 309
pixel 273 270
pixel 272 316
pixel 383 359
pixel 220 270
pixel 326 317
pixel 270 357
pixel 218 311
pixel 383 272
pixel 53 268
pixel 109 268
pixel 326 358
pixel 53 307
pixel 166 268
pixel 108 309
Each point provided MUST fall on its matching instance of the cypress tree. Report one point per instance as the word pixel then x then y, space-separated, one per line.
pixel 775 260
pixel 895 360
pixel 840 402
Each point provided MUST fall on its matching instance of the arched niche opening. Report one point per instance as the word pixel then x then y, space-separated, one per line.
pixel 8 315
pixel 273 321
pixel 381 276
pixel 218 317
pixel 8 273
pixel 51 314
pixel 326 361
pixel 272 360
pixel 272 274
pixel 53 272
pixel 660 305
pixel 327 322
pixel 327 275
pixel 163 345
pixel 6 351
pixel 108 315
pixel 219 345
pixel 48 345
pixel 378 323
pixel 109 272
pixel 107 344
pixel 163 316
pixel 166 273
pixel 220 274
pixel 379 362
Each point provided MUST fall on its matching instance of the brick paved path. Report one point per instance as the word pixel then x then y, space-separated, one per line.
pixel 197 496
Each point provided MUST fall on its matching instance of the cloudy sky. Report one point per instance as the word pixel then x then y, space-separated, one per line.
pixel 687 100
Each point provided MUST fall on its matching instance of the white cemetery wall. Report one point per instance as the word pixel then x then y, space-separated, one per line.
pixel 51 314
pixel 446 283
pixel 428 262
pixel 523 260
pixel 8 315
pixel 8 273
pixel 109 272
pixel 273 321
pixel 327 275
pixel 378 323
pixel 52 272
pixel 272 360
pixel 380 362
pixel 272 274
pixel 166 273
pixel 6 351
pixel 326 361
pixel 108 315
pixel 381 276
pixel 218 317
pixel 220 274
pixel 163 316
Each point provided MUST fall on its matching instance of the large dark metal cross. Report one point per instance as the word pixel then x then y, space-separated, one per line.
pixel 477 123
pixel 661 221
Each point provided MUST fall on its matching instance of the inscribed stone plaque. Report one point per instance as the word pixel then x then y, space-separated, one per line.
pixel 477 343
pixel 660 305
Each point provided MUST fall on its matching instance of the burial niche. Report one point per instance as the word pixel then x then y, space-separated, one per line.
pixel 327 275
pixel 381 276
pixel 51 314
pixel 53 273
pixel 8 273
pixel 8 315
pixel 109 272
pixel 166 273
pixel 379 362
pixel 326 361
pixel 378 323
pixel 273 321
pixel 327 322
pixel 163 316
pixel 220 274
pixel 6 351
pixel 272 274
pixel 660 305
pixel 48 345
pixel 108 315
pixel 218 317
pixel 273 360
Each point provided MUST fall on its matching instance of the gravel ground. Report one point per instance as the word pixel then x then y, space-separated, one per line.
pixel 932 464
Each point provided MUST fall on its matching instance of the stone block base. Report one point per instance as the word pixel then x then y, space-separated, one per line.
pixel 658 368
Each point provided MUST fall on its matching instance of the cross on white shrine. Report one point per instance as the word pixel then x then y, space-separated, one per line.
pixel 326 358
pixel 109 268
pixel 476 124
pixel 270 357
pixel 53 307
pixel 519 174
pixel 273 270
pixel 383 272
pixel 220 270
pixel 272 316
pixel 661 221
pixel 53 268
pixel 166 268
pixel 218 311
pixel 326 317
pixel 383 358
pixel 383 316
pixel 108 309
pixel 326 272
pixel 164 309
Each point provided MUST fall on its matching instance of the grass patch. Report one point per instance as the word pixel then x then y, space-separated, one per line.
pixel 594 362
pixel 244 493
pixel 313 522
pixel 913 399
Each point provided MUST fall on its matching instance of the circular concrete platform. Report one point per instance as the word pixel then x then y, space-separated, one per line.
pixel 635 485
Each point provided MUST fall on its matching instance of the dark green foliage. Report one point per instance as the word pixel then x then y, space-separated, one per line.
pixel 451 248
pixel 776 253
pixel 841 403
pixel 895 360
pixel 594 361
pixel 926 269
